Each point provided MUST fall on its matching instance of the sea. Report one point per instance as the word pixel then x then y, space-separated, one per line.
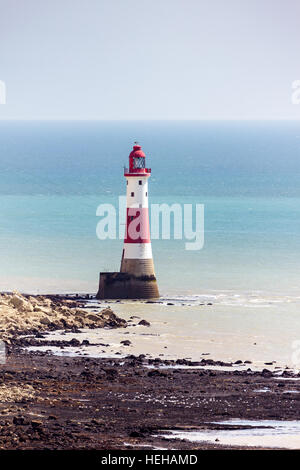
pixel 238 297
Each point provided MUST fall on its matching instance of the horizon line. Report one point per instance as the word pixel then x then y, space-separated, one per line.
pixel 148 119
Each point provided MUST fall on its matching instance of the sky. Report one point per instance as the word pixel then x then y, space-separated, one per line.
pixel 149 59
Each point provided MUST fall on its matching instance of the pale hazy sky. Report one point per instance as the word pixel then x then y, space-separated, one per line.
pixel 149 59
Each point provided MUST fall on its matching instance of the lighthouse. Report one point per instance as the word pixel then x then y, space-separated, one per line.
pixel 136 279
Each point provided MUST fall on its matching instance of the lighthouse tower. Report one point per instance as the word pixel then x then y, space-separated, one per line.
pixel 136 279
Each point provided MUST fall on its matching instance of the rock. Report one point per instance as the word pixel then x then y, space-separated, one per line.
pixel 144 323
pixel 136 434
pixel 39 336
pixel 96 421
pixel 41 309
pixel 27 314
pixel 17 302
pixel 111 373
pixel 267 373
pixel 19 420
pixel 182 362
pixel 36 424
pixel 93 317
pixel 156 373
pixel 126 342
pixel 111 319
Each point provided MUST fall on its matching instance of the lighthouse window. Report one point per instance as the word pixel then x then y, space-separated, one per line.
pixel 146 193
pixel 139 162
pixel 132 194
pixel 140 182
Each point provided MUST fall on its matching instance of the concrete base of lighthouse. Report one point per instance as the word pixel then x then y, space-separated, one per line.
pixel 138 267
pixel 122 285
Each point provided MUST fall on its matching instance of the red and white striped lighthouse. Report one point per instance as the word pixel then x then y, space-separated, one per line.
pixel 136 279
pixel 137 257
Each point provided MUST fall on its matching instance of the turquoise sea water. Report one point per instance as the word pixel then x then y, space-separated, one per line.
pixel 55 174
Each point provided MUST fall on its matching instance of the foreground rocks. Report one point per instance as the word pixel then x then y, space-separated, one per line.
pixel 21 314
pixel 51 402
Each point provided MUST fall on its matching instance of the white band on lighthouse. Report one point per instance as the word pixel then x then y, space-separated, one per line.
pixel 137 191
pixel 137 251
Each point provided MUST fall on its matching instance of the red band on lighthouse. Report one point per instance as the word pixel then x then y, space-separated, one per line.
pixel 137 226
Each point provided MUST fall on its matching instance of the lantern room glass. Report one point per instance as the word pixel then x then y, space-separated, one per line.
pixel 138 162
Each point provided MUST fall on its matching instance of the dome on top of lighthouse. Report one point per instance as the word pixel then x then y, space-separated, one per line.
pixel 137 151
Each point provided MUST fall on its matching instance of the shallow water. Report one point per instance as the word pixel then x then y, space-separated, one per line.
pixel 263 433
pixel 257 334
pixel 218 332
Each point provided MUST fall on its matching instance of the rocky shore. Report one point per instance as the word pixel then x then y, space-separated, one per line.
pixel 51 402
pixel 20 314
pixel 54 402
